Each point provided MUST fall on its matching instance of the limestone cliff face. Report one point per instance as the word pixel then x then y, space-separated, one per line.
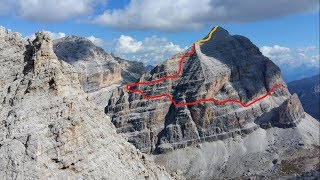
pixel 96 68
pixel 225 67
pixel 48 128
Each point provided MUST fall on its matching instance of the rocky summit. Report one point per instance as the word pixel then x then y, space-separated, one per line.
pixel 225 67
pixel 96 68
pixel 49 129
pixel 99 72
pixel 208 140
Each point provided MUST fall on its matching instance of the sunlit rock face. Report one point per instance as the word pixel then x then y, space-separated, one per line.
pixel 48 128
pixel 96 68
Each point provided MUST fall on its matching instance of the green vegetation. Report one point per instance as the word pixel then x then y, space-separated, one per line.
pixel 289 167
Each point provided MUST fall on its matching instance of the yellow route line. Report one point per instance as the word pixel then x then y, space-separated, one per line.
pixel 209 37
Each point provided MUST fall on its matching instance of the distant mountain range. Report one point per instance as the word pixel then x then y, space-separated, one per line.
pixel 308 90
pixel 148 67
pixel 290 74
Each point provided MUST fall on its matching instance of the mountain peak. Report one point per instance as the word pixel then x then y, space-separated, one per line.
pixel 78 39
pixel 222 67
pixel 219 33
pixel 222 41
pixel 43 48
pixel 73 48
pixel 97 69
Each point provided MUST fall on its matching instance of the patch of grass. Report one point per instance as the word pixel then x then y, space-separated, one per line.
pixel 289 168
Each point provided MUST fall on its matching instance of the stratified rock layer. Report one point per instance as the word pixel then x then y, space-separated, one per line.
pixel 48 128
pixel 225 67
pixel 287 115
pixel 290 112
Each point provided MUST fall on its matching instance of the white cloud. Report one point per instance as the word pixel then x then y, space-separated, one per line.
pixel 306 49
pixel 294 57
pixel 127 45
pixel 97 41
pixel 315 60
pixel 54 35
pixel 151 50
pixel 168 15
pixel 276 52
pixel 47 10
pixel 163 15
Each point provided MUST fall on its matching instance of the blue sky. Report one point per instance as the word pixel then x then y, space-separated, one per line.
pixel 287 31
pixel 292 31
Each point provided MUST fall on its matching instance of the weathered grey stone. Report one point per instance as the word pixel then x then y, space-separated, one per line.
pixel 287 115
pixel 290 112
pixel 225 67
pixel 96 68
pixel 48 128
pixel 251 155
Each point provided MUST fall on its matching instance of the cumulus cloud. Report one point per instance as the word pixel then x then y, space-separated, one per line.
pixel 306 49
pixel 128 45
pixel 167 15
pixel 164 15
pixel 292 57
pixel 277 53
pixel 47 10
pixel 54 35
pixel 97 41
pixel 315 59
pixel 150 51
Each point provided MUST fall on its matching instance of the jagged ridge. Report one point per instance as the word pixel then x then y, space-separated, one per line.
pixel 49 129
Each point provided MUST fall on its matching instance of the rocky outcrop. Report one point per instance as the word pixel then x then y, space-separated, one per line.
pixel 290 112
pixel 225 67
pixel 48 128
pixel 96 68
pixel 287 115
pixel 131 71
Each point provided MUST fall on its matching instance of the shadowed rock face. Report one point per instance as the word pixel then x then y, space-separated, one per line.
pixel 290 112
pixel 308 91
pixel 287 115
pixel 96 68
pixel 225 67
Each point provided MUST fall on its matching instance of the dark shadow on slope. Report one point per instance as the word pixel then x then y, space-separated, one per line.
pixel 249 68
pixel 28 59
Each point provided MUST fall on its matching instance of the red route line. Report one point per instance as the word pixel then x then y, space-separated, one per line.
pixel 128 87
